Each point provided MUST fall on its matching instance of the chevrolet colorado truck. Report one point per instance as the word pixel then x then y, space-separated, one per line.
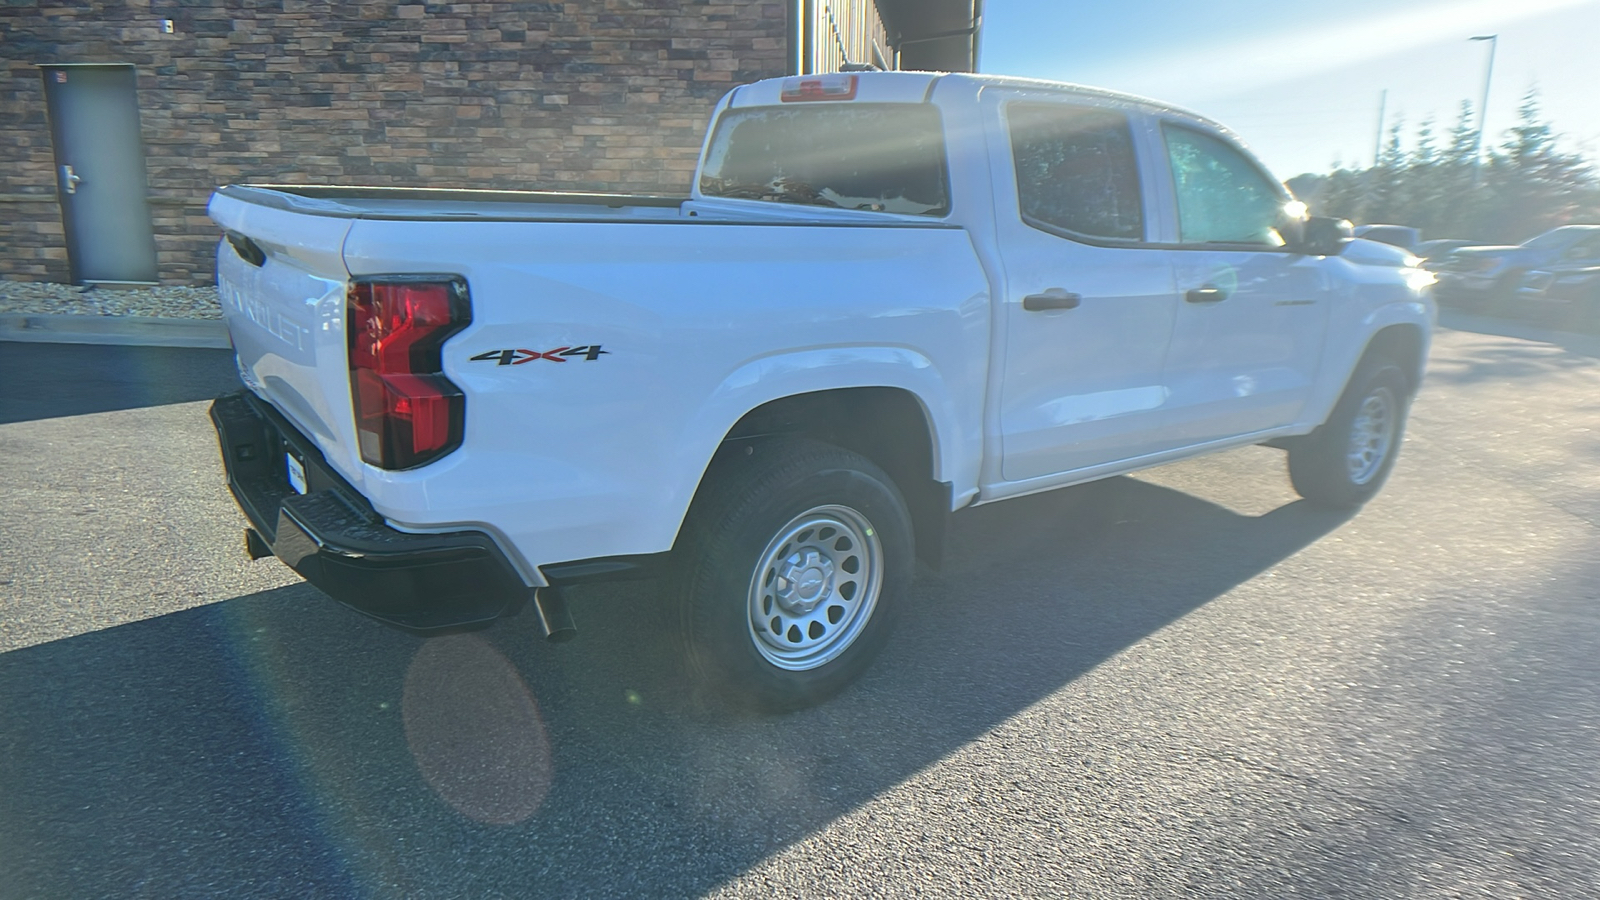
pixel 889 296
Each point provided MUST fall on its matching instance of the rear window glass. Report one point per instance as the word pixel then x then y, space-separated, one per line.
pixel 882 157
pixel 1076 170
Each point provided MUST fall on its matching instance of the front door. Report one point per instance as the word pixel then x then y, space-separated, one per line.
pixel 1250 329
pixel 100 175
pixel 1087 309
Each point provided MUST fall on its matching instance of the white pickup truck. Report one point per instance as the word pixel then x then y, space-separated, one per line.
pixel 889 296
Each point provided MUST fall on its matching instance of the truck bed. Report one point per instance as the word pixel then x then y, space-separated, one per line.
pixel 360 202
pixel 449 204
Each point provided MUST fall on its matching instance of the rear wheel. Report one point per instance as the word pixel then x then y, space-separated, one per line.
pixel 794 562
pixel 1343 463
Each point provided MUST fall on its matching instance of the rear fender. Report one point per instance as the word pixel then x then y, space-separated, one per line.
pixel 770 378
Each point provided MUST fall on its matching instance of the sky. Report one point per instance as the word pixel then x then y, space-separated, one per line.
pixel 1302 83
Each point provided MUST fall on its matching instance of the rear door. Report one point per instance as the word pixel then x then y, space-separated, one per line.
pixel 1087 307
pixel 1250 327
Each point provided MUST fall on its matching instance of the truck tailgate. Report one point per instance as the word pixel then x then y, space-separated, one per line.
pixel 281 280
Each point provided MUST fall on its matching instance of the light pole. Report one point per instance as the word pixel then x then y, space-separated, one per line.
pixel 1483 106
pixel 1377 142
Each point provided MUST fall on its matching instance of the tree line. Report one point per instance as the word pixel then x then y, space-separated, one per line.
pixel 1448 189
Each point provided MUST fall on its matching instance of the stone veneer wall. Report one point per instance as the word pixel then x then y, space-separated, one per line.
pixel 574 95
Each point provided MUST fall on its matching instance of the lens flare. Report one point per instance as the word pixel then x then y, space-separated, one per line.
pixel 474 729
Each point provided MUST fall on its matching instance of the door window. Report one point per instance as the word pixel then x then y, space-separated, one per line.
pixel 1076 171
pixel 1585 250
pixel 1223 197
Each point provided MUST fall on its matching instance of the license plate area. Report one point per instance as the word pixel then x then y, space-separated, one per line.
pixel 296 471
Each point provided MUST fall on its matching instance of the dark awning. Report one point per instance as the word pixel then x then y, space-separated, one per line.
pixel 939 35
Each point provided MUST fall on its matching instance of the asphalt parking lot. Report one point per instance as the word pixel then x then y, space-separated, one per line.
pixel 1185 683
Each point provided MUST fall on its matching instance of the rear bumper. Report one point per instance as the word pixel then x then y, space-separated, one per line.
pixel 333 538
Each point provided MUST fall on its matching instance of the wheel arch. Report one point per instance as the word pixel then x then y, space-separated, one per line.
pixel 888 425
pixel 1405 344
pixel 1405 341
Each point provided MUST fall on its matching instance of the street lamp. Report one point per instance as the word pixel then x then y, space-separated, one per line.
pixel 1483 106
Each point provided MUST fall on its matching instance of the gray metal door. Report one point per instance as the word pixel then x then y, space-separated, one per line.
pixel 100 177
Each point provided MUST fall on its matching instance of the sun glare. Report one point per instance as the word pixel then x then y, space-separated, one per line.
pixel 1260 61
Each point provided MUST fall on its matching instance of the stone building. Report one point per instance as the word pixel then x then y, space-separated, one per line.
pixel 508 94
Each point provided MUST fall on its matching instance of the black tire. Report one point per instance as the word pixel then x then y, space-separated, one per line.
pixel 1330 466
pixel 798 640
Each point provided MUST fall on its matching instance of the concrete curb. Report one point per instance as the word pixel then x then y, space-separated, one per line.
pixel 140 331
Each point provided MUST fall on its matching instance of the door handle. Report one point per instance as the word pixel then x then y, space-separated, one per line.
pixel 69 180
pixel 1054 298
pixel 1209 293
pixel 248 250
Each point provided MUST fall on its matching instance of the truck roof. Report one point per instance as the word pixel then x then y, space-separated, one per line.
pixel 913 87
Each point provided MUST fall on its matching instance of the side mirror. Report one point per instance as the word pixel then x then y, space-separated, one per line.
pixel 1324 236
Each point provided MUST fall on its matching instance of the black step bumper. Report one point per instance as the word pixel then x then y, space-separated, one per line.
pixel 334 539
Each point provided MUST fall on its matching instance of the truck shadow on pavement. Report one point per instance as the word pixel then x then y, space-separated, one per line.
pixel 279 745
pixel 44 381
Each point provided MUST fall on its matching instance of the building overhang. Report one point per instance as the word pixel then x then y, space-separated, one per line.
pixel 934 35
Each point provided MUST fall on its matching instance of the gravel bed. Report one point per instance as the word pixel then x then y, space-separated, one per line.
pixel 41 298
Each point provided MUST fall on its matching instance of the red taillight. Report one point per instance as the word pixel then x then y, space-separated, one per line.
pixel 407 413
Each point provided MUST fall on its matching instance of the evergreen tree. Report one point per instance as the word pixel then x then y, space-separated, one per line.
pixel 1422 189
pixel 1457 209
pixel 1385 200
pixel 1526 187
pixel 1535 186
pixel 1307 187
pixel 1340 195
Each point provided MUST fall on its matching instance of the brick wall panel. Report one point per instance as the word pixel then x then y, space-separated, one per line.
pixel 576 95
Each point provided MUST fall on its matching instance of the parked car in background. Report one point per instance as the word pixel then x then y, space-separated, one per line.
pixel 1434 253
pixel 1568 292
pixel 1403 236
pixel 1476 277
pixel 1379 253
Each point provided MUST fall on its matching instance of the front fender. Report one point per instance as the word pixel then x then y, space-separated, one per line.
pixel 1414 310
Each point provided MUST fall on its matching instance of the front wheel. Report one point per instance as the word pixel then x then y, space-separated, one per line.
pixel 794 562
pixel 1343 463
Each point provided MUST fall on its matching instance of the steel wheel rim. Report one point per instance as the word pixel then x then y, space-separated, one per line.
pixel 1371 436
pixel 814 588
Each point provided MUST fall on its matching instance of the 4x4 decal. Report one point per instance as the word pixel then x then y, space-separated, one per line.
pixel 516 357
